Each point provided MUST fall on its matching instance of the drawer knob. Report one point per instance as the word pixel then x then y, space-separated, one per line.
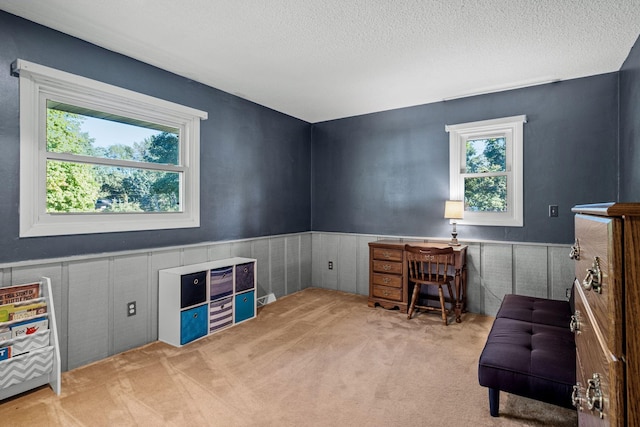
pixel 574 325
pixel 195 315
pixel 594 395
pixel 575 251
pixel 593 279
pixel 576 399
pixel 195 281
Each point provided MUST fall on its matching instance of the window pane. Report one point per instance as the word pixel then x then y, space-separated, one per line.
pixel 486 155
pixel 486 194
pixel 82 131
pixel 75 187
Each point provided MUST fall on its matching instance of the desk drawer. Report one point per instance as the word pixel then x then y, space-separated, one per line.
pixel 387 280
pixel 386 292
pixel 387 254
pixel 387 267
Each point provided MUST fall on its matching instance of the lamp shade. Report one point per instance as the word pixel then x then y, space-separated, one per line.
pixel 454 209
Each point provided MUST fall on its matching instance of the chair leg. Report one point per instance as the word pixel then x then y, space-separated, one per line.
pixel 414 297
pixel 452 297
pixel 442 306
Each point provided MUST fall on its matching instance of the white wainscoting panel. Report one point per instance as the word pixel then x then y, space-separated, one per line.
pixel 493 269
pixel 90 292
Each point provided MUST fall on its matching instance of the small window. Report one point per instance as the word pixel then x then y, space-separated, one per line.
pixel 485 168
pixel 96 158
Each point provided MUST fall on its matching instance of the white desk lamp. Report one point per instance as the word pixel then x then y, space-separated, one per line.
pixel 454 209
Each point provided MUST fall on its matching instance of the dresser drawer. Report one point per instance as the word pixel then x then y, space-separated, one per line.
pixel 593 357
pixel 594 235
pixel 387 254
pixel 387 292
pixel 387 267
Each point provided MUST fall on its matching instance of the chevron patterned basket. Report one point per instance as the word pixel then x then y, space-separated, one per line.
pixel 26 366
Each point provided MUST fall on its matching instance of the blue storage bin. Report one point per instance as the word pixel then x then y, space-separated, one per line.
pixel 244 306
pixel 193 324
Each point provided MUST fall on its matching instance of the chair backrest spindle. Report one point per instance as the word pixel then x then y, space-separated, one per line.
pixel 429 264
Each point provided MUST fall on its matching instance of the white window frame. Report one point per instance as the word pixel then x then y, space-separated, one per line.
pixel 511 128
pixel 38 84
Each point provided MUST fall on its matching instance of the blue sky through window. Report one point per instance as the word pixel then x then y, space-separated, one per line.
pixel 107 133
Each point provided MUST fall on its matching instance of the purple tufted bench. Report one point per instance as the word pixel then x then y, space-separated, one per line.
pixel 530 351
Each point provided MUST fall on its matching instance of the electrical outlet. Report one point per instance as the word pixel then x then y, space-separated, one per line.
pixel 131 308
pixel 330 265
pixel 553 211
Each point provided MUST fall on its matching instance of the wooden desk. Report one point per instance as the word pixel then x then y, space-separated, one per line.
pixel 388 284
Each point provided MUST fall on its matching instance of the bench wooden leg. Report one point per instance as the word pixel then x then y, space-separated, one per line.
pixel 494 402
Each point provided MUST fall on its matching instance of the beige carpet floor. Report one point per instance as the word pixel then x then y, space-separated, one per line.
pixel 314 358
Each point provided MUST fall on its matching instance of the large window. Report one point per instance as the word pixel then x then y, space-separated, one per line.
pixel 486 170
pixel 97 158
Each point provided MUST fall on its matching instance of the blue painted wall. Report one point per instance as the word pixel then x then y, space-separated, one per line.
pixel 382 173
pixel 255 161
pixel 388 172
pixel 630 127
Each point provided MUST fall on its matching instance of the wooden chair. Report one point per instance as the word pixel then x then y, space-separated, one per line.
pixel 430 267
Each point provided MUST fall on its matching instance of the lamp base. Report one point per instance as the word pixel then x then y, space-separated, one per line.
pixel 454 240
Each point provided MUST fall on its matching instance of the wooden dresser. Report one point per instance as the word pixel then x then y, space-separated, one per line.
pixel 607 314
pixel 388 284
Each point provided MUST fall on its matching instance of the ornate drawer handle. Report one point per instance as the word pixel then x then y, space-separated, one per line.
pixel 386 280
pixel 386 267
pixel 574 325
pixel 576 399
pixel 594 395
pixel 575 251
pixel 385 293
pixel 593 280
pixel 386 254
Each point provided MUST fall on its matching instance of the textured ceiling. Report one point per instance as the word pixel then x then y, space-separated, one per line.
pixel 325 59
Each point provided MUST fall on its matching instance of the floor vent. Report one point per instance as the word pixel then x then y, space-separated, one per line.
pixel 267 299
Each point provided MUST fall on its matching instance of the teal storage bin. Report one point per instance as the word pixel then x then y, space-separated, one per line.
pixel 245 306
pixel 193 324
